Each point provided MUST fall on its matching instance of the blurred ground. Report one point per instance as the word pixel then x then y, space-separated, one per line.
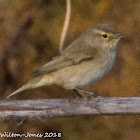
pixel 29 37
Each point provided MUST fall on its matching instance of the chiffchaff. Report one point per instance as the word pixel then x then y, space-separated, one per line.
pixel 83 62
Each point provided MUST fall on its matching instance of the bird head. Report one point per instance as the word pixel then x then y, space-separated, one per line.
pixel 104 36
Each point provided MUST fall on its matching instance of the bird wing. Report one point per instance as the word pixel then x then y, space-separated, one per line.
pixel 72 55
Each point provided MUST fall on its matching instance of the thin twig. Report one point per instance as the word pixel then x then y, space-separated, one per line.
pixel 44 108
pixel 65 27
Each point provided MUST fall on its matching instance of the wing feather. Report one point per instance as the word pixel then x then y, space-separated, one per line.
pixel 74 54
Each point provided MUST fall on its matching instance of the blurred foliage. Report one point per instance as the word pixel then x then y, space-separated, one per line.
pixel 23 50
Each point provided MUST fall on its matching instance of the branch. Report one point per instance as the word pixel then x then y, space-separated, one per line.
pixel 65 27
pixel 44 108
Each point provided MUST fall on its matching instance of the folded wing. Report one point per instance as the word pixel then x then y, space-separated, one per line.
pixel 73 55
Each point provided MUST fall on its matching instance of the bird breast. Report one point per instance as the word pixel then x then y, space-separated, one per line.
pixel 85 73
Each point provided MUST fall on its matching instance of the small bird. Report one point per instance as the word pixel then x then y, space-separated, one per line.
pixel 83 62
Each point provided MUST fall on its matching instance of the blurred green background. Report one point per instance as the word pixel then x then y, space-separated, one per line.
pixel 29 37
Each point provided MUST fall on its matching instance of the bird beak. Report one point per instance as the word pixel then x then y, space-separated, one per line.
pixel 119 36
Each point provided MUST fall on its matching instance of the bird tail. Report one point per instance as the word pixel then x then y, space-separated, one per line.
pixel 42 80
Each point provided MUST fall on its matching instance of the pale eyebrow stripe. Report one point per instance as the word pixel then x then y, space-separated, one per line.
pixel 98 31
pixel 102 32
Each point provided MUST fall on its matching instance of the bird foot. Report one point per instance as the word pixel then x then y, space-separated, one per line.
pixel 92 95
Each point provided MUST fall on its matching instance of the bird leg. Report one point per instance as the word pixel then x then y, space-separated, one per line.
pixel 78 93
pixel 77 90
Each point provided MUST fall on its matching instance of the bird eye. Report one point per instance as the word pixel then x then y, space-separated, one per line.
pixel 104 35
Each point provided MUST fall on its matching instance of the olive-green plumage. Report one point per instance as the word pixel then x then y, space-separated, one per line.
pixel 83 62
